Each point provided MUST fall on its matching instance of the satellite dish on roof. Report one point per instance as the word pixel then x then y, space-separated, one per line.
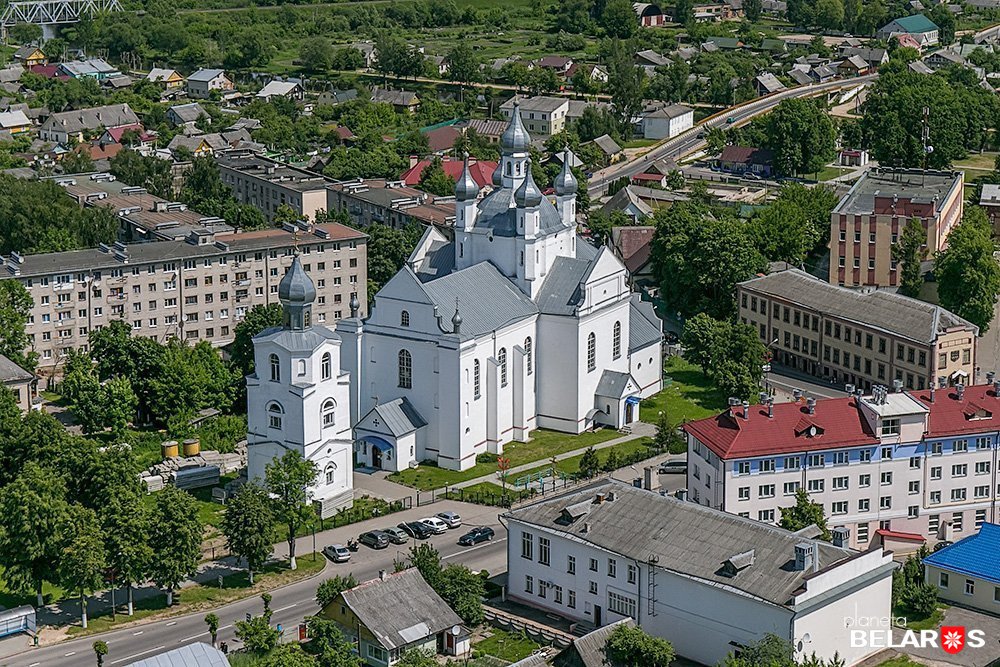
pixel 456 630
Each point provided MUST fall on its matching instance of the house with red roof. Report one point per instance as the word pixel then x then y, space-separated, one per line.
pixel 908 463
pixel 481 170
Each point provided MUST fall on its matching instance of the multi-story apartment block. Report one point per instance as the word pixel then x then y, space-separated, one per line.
pixel 705 580
pixel 391 203
pixel 870 218
pixel 923 463
pixel 142 216
pixel 268 184
pixel 198 289
pixel 861 337
pixel 542 115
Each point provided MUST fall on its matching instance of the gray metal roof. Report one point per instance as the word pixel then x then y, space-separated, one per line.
pixel 588 650
pixel 644 327
pixel 192 655
pixel 902 183
pixel 613 384
pixel 296 286
pixel 296 341
pixel 560 293
pixel 688 538
pixel 188 112
pixel 206 75
pixel 398 416
pixel 11 372
pixel 439 260
pixel 487 300
pixel 497 213
pixel 112 115
pixel 401 609
pixel 893 313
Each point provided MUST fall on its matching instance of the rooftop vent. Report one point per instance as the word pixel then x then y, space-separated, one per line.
pixel 737 563
pixel 811 405
pixel 897 386
pixel 960 388
pixel 841 536
pixel 805 556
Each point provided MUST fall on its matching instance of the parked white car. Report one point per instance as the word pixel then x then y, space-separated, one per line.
pixel 435 524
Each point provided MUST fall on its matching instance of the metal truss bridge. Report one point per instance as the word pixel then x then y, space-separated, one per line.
pixel 54 12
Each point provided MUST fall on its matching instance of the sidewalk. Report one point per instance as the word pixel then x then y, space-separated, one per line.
pixel 639 430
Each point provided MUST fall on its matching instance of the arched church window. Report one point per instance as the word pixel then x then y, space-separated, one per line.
pixel 591 352
pixel 274 412
pixel 275 368
pixel 475 378
pixel 502 359
pixel 331 473
pixel 302 366
pixel 405 370
pixel 329 412
pixel 326 366
pixel 617 343
pixel 404 319
pixel 528 354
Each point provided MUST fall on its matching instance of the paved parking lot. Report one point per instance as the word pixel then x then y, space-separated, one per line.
pixel 968 657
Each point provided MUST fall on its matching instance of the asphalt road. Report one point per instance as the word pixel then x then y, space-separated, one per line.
pixel 689 141
pixel 290 604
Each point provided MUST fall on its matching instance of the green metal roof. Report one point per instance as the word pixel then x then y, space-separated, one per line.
pixel 916 24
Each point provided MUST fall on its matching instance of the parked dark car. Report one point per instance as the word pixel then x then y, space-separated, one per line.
pixel 673 467
pixel 416 529
pixel 396 535
pixel 476 535
pixel 375 539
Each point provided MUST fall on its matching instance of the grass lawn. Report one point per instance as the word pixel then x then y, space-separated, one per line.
pixel 982 161
pixel 828 173
pixel 916 622
pixel 571 466
pixel 543 444
pixel 900 661
pixel 50 593
pixel 506 646
pixel 639 143
pixel 690 395
pixel 235 586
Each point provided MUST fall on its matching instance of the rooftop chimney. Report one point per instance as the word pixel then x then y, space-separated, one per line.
pixel 586 526
pixel 996 388
pixel 990 376
pixel 770 407
pixel 681 494
pixel 733 404
pixel 849 388
pixel 599 498
pixel 897 386
pixel 797 394
pixel 805 556
pixel 746 410
pixel 841 536
pixel 960 387
pixel 811 405
pixel 932 392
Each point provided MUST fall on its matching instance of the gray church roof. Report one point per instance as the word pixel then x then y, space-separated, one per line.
pixel 497 213
pixel 560 293
pixel 644 327
pixel 304 341
pixel 687 538
pixel 487 299
pixel 398 416
pixel 613 384
pixel 439 260
pixel 296 286
pixel 193 655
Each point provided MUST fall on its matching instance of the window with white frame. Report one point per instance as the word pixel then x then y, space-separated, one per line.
pixel 591 352
pixel 329 412
pixel 744 493
pixel 840 483
pixel 791 488
pixel 621 604
pixel 839 507
pixel 527 546
pixel 274 413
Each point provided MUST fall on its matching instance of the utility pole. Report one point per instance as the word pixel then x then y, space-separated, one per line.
pixel 925 136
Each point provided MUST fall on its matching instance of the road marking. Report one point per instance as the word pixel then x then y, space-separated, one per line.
pixel 157 648
pixel 471 549
pixel 138 633
pixel 288 607
pixel 34 664
pixel 187 639
pixel 69 654
pixel 171 623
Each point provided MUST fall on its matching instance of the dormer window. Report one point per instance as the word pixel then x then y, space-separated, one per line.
pixel 890 426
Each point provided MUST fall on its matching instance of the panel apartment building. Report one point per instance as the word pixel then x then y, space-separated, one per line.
pixel 862 337
pixel 920 463
pixel 197 289
pixel 870 218
pixel 268 184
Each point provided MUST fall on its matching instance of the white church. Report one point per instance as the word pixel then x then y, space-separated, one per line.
pixel 298 398
pixel 513 325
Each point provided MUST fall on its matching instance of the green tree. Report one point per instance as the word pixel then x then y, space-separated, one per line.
pixel 26 33
pixel 784 233
pixel 175 538
pixel 249 527
pixel 698 258
pixel 77 162
pixel 427 560
pixel 619 19
pixel 909 253
pixel 316 54
pixel 802 136
pixel 31 511
pixel 829 14
pixel 417 658
pixel 288 480
pixel 257 635
pixel 288 655
pixel 625 84
pixel 463 65
pixel 388 249
pixel 590 465
pixel 330 645
pixel 82 558
pixel 804 513
pixel 435 181
pixel 15 307
pixel 329 589
pixel 463 591
pixel 771 650
pixel 968 276
pixel 100 650
pixel 628 645
pixel 212 621
pixel 125 526
pixel 729 353
pixel 258 318
pixel 753 10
